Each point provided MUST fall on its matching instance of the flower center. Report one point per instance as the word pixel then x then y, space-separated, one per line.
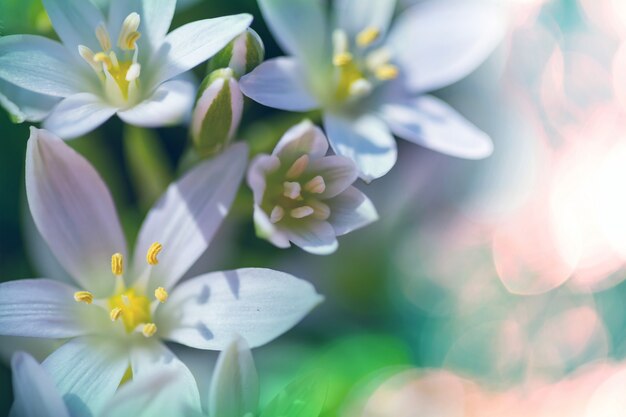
pixel 117 68
pixel 294 194
pixel 131 306
pixel 359 70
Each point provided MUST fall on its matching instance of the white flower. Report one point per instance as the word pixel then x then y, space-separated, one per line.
pixel 126 64
pixel 35 394
pixel 119 316
pixel 370 80
pixel 303 196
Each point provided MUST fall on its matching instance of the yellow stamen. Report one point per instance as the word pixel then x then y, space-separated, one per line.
pixel 316 185
pixel 134 306
pixel 83 297
pixel 117 264
pixel 342 59
pixel 298 167
pixel 103 37
pixel 153 252
pixel 367 36
pixel 88 55
pixel 131 40
pixel 128 32
pixel 387 72
pixel 115 313
pixel 103 58
pixel 160 294
pixel 149 329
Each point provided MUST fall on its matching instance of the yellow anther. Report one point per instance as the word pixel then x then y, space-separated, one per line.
pixel 128 32
pixel 317 185
pixel 83 297
pixel 149 329
pixel 115 313
pixel 117 264
pixel 153 252
pixel 367 36
pixel 103 58
pixel 103 37
pixel 160 294
pixel 301 212
pixel 386 72
pixel 298 167
pixel 342 59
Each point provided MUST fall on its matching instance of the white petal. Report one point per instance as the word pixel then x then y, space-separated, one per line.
pixel 34 392
pixel 433 124
pixel 195 42
pixel 38 64
pixel 24 105
pixel 234 388
pixel 303 138
pixel 353 16
pixel 314 236
pixel 170 104
pixel 77 115
pixel 155 356
pixel 87 371
pixel 438 42
pixel 187 216
pixel 156 17
pixel 351 210
pixel 299 26
pixel 366 140
pixel 156 393
pixel 73 211
pixel 259 304
pixel 338 173
pixel 75 22
pixel 265 229
pixel 279 83
pixel 41 308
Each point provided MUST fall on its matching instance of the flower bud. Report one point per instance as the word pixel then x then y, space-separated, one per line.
pixel 217 112
pixel 242 54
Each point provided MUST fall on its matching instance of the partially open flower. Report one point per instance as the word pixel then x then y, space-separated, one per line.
pixel 305 197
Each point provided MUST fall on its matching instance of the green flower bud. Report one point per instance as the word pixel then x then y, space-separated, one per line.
pixel 242 54
pixel 217 112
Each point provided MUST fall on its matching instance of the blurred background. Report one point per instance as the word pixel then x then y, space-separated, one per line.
pixel 487 288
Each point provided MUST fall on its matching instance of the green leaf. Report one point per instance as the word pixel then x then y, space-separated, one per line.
pixel 303 397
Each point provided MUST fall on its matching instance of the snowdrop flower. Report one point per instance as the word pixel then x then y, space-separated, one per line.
pixel 370 79
pixel 148 396
pixel 303 196
pixel 118 316
pixel 126 64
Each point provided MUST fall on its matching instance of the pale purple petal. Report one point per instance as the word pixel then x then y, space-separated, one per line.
pixel 78 114
pixel 314 236
pixel 338 173
pixel 260 166
pixel 265 229
pixel 303 138
pixel 38 64
pixel 433 124
pixel 24 105
pixel 73 211
pixel 88 371
pixel 366 140
pixel 75 22
pixel 351 210
pixel 188 215
pixel 234 388
pixel 280 83
pixel 438 42
pixel 33 390
pixel 353 16
pixel 299 27
pixel 42 308
pixel 170 104
pixel 195 42
pixel 259 304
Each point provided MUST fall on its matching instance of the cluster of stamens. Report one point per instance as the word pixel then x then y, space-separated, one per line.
pixel 358 72
pixel 119 74
pixel 295 194
pixel 129 304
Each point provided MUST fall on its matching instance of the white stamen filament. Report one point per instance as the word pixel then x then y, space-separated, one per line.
pixel 301 212
pixel 103 37
pixel 341 53
pixel 277 214
pixel 377 58
pixel 128 35
pixel 360 88
pixel 88 55
pixel 298 167
pixel 133 72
